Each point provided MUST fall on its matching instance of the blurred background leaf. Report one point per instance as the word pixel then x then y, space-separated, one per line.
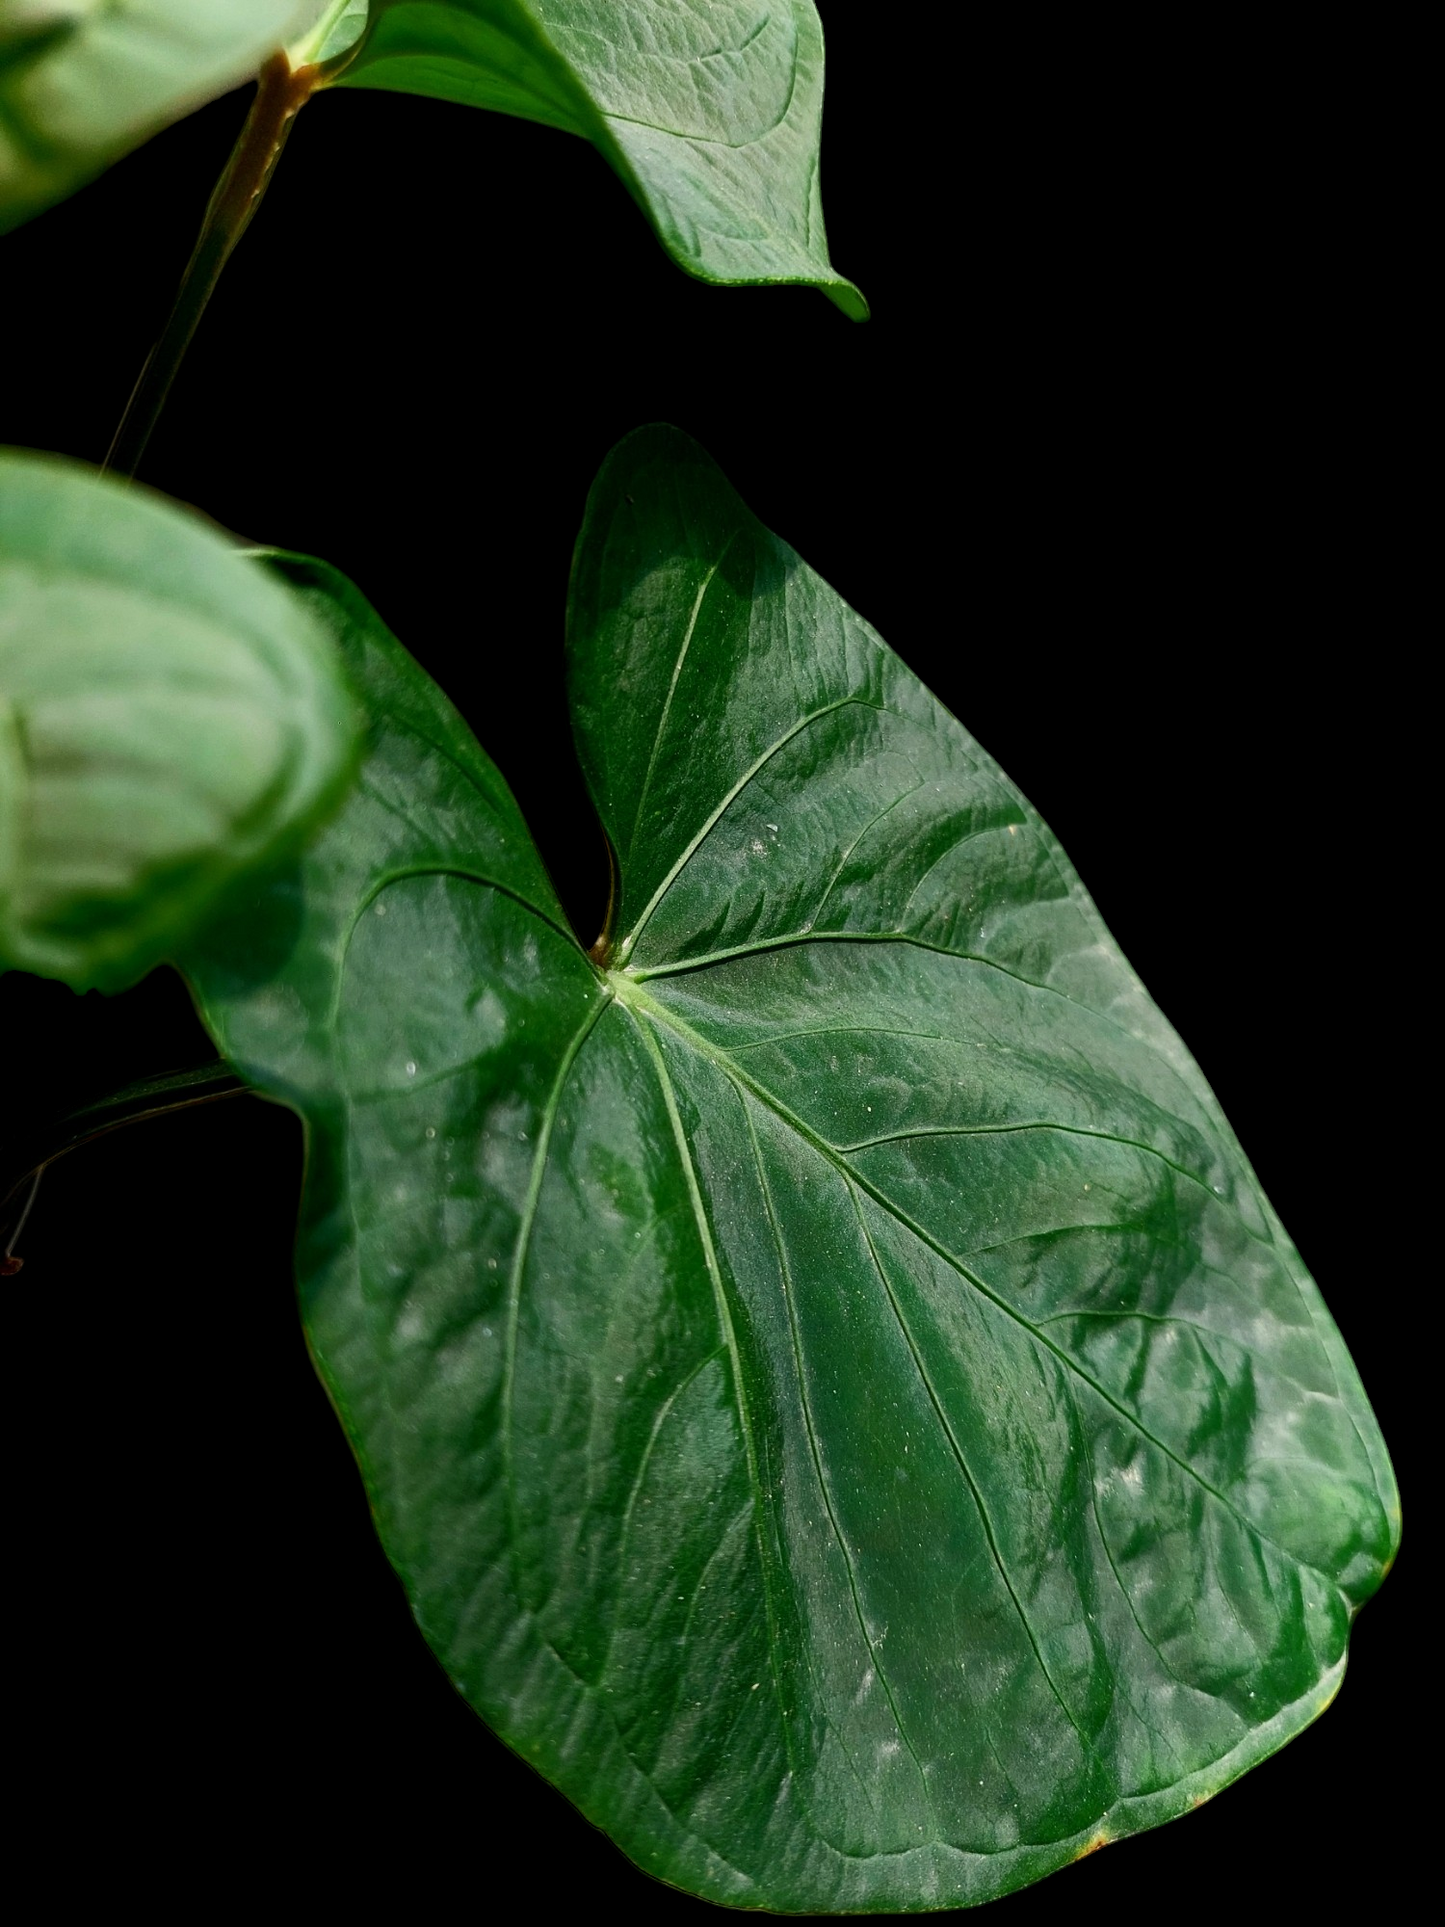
pixel 169 718
pixel 84 81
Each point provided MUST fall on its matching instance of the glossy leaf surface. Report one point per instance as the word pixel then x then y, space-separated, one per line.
pixel 710 110
pixel 829 1380
pixel 169 717
pixel 84 81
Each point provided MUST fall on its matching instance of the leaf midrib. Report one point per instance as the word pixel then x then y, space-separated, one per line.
pixel 760 947
pixel 666 1019
pixel 745 1423
pixel 790 1303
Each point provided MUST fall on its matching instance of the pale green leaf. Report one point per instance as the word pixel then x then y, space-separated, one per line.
pixel 169 718
pixel 84 81
pixel 710 110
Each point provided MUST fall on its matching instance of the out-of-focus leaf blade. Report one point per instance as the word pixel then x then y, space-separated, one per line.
pixel 828 1377
pixel 84 81
pixel 710 110
pixel 170 717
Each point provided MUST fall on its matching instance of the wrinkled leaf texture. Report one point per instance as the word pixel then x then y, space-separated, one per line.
pixel 170 717
pixel 829 1381
pixel 710 110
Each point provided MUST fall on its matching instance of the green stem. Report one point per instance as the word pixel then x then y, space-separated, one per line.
pixel 281 92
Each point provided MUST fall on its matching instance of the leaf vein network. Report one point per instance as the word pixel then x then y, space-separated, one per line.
pixel 729 1337
pixel 519 1260
pixel 704 1048
pixel 684 966
pixel 984 1518
pixel 695 842
pixel 805 1403
pixel 662 720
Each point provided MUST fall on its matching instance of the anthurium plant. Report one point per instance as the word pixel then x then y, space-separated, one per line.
pixel 835 1393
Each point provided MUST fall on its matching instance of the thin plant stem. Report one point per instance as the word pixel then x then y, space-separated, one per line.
pixel 281 92
pixel 9 1263
pixel 232 1086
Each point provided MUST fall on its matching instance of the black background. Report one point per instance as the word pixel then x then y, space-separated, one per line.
pixel 1111 467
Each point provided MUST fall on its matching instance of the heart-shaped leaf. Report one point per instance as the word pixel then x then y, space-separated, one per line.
pixel 170 716
pixel 710 110
pixel 84 81
pixel 825 1373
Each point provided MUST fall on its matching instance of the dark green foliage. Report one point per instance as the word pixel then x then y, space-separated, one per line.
pixel 825 1372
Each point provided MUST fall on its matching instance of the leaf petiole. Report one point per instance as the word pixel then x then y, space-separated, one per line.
pixel 134 1104
pixel 9 1263
pixel 281 92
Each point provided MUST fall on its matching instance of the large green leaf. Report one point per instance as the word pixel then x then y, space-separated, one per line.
pixel 84 81
pixel 827 1375
pixel 710 110
pixel 170 716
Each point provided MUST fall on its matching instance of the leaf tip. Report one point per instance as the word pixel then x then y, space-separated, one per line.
pixel 844 295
